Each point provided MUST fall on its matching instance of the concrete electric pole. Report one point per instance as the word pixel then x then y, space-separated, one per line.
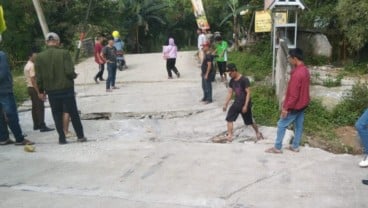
pixel 41 17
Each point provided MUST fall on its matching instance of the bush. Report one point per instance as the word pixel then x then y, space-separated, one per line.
pixel 356 68
pixel 256 61
pixel 19 86
pixel 265 105
pixel 318 120
pixel 351 106
pixel 317 60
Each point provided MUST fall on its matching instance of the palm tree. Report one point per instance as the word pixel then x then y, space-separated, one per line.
pixel 139 15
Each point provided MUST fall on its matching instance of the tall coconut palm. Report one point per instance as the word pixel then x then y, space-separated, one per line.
pixel 140 15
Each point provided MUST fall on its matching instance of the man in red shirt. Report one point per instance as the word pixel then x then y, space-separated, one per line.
pixel 99 59
pixel 296 101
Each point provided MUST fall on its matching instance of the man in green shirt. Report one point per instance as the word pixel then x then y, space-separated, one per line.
pixel 221 56
pixel 55 77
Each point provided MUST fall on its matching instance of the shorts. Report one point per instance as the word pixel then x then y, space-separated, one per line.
pixel 235 110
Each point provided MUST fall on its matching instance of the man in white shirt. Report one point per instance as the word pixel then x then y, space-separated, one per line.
pixel 38 107
pixel 201 40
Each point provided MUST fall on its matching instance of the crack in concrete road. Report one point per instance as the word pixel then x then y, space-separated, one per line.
pixel 140 115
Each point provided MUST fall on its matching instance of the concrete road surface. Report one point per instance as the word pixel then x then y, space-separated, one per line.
pixel 149 147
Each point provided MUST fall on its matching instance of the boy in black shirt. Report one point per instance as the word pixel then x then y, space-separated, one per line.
pixel 242 103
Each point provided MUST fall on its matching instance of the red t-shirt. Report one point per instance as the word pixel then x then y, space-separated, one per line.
pixel 297 94
pixel 98 50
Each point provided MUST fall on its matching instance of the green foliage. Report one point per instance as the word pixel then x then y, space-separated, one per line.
pixel 317 60
pixel 19 86
pixel 333 82
pixel 265 105
pixel 351 106
pixel 317 120
pixel 356 67
pixel 255 61
pixel 353 19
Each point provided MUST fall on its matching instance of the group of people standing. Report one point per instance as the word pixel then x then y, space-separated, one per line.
pixel 112 55
pixel 50 73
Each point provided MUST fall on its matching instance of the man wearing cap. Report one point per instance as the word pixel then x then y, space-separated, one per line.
pixel 206 69
pixel 55 77
pixel 240 86
pixel 296 101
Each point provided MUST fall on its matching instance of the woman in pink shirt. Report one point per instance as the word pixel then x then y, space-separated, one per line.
pixel 170 52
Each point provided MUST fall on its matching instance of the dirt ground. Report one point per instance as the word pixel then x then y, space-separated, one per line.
pixel 347 142
pixel 349 137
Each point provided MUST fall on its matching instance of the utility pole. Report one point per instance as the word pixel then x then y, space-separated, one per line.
pixel 83 32
pixel 41 17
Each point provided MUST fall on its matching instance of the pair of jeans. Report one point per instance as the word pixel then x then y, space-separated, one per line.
pixel 101 68
pixel 170 65
pixel 65 99
pixel 297 118
pixel 9 117
pixel 38 109
pixel 111 75
pixel 362 127
pixel 207 89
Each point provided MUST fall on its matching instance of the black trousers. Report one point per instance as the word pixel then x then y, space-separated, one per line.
pixel 65 98
pixel 170 65
pixel 38 109
pixel 101 68
pixel 221 67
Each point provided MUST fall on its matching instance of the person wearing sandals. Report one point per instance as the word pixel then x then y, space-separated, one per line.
pixel 170 52
pixel 8 107
pixel 296 100
pixel 240 86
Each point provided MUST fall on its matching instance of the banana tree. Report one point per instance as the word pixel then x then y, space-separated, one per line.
pixel 236 9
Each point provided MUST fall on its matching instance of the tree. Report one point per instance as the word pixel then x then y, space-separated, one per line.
pixel 22 27
pixel 353 20
pixel 236 8
pixel 140 16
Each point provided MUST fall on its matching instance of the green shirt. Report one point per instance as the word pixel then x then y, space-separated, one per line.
pixel 221 51
pixel 54 70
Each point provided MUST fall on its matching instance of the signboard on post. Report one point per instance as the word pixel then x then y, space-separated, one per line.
pixel 200 14
pixel 263 22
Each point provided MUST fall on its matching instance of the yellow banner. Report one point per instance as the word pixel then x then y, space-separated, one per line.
pixel 263 21
pixel 200 14
pixel 2 20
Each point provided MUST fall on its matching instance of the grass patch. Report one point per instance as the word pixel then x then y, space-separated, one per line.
pixel 265 105
pixel 19 86
pixel 255 61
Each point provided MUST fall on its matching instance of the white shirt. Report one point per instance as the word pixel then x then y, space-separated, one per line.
pixel 29 71
pixel 201 39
